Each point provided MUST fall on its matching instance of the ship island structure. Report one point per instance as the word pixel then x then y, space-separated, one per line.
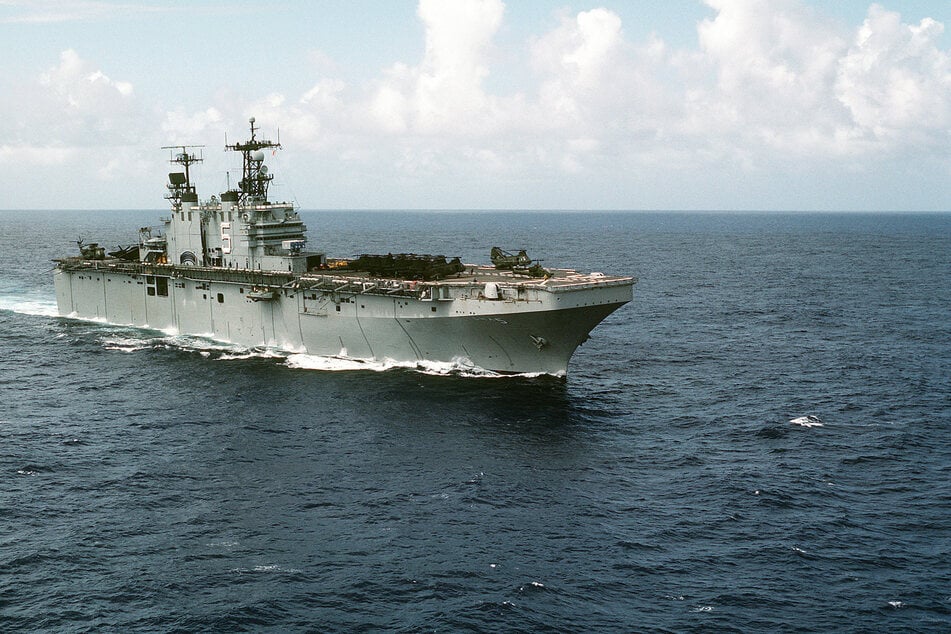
pixel 235 268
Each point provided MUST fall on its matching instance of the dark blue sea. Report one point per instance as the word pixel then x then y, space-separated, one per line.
pixel 151 482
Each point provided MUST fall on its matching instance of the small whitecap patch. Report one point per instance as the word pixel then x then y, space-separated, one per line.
pixel 267 569
pixel 531 586
pixel 127 344
pixel 807 421
pixel 897 604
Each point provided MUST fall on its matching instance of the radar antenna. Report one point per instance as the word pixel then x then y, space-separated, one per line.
pixel 180 188
pixel 255 177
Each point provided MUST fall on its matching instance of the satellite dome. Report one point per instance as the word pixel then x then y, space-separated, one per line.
pixel 258 156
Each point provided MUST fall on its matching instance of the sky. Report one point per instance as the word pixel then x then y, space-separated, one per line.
pixel 789 105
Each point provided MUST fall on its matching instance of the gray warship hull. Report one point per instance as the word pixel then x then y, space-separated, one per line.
pixel 520 326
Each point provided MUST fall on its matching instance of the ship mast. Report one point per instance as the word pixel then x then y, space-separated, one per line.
pixel 255 178
pixel 180 188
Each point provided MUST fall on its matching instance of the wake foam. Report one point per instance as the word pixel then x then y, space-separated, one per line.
pixel 205 346
pixel 27 305
pixel 129 340
pixel 342 363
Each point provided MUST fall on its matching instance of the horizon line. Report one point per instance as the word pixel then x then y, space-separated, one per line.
pixel 516 210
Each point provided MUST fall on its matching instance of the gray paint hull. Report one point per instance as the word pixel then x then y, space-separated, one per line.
pixel 534 335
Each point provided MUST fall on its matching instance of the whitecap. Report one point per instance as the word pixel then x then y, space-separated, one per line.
pixel 127 344
pixel 897 604
pixel 807 421
pixel 267 568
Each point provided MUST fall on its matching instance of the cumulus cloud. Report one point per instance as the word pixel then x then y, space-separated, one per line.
pixel 895 81
pixel 196 125
pixel 85 106
pixel 774 66
pixel 788 80
pixel 444 94
pixel 575 60
pixel 768 86
pixel 75 112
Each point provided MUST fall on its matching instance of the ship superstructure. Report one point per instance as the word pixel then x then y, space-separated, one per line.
pixel 235 268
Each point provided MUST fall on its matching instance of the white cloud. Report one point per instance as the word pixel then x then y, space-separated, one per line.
pixel 581 48
pixel 80 105
pixel 575 59
pixel 774 63
pixel 770 88
pixel 444 94
pixel 197 125
pixel 32 155
pixel 895 81
pixel 72 115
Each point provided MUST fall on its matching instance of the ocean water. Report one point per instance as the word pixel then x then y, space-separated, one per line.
pixel 151 482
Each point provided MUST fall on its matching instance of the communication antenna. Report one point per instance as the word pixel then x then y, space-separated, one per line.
pixel 180 187
pixel 255 177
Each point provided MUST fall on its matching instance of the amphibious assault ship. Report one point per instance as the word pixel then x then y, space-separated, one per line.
pixel 235 268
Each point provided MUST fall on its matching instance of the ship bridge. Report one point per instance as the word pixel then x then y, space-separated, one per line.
pixel 241 229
